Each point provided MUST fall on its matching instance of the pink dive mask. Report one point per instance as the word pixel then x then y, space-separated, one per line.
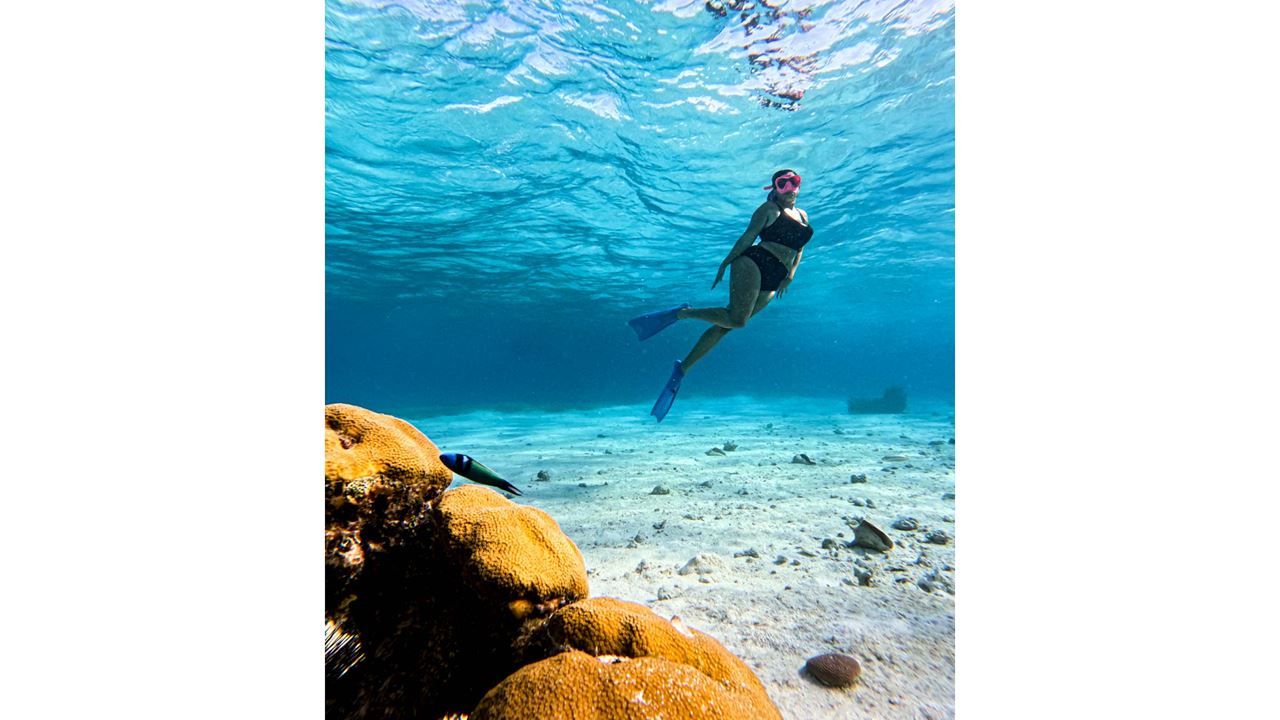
pixel 785 184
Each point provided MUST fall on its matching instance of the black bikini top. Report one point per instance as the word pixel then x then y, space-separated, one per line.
pixel 788 231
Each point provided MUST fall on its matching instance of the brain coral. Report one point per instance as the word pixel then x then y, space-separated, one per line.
pixel 612 628
pixel 362 446
pixel 585 687
pixel 380 473
pixel 513 554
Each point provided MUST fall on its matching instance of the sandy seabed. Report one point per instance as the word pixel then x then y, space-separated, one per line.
pixel 763 583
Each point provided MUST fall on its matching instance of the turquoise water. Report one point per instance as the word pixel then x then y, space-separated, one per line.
pixel 508 182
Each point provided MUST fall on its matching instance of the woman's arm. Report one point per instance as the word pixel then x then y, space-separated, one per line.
pixel 758 220
pixel 782 286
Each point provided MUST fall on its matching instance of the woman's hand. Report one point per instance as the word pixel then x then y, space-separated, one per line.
pixel 782 286
pixel 719 274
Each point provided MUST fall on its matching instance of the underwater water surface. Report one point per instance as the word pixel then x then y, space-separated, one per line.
pixel 508 182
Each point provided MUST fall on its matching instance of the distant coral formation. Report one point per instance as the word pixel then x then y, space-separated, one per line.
pixel 894 400
pixel 443 603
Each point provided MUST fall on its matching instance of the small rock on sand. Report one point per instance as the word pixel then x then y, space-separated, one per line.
pixel 906 523
pixel 660 490
pixel 936 580
pixel 895 458
pixel 802 459
pixel 543 476
pixel 730 446
pixel 938 537
pixel 702 564
pixel 716 451
pixel 749 552
pixel 948 496
pixel 856 478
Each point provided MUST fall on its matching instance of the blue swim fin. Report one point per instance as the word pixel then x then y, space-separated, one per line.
pixel 668 394
pixel 650 324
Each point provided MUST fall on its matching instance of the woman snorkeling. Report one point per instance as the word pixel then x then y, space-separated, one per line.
pixel 757 274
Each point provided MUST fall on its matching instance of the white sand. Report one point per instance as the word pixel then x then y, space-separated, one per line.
pixel 774 616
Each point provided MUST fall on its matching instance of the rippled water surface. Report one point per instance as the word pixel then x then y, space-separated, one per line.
pixel 508 182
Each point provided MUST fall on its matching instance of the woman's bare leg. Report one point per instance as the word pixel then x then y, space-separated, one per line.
pixel 715 333
pixel 744 287
pixel 704 345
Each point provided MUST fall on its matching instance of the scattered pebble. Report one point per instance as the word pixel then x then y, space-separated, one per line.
pixel 780 560
pixel 938 537
pixel 705 484
pixel 660 490
pixel 951 441
pixel 659 525
pixel 865 572
pixel 834 669
pixel 948 496
pixel 730 446
pixel 582 484
pixel 716 451
pixel 936 580
pixel 664 594
pixel 543 476
pixel 802 459
pixel 829 544
pixel 870 503
pixel 702 564
pixel 859 503
pixel 749 552
pixel 948 518
pixel 895 458
pixel 857 478
pixel 906 523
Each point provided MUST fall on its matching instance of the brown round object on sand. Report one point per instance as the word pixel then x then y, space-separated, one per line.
pixel 834 669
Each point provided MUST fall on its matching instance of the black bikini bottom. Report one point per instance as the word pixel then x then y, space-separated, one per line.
pixel 772 271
